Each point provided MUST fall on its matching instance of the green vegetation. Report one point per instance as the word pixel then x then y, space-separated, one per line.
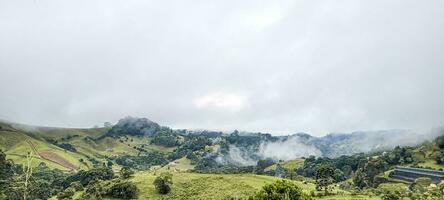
pixel 280 190
pixel 163 183
pixel 155 162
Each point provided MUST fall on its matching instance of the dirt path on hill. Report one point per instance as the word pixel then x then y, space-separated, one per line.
pixel 51 156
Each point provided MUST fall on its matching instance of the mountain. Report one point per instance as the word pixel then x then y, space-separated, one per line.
pixel 134 140
pixel 336 144
pixel 207 164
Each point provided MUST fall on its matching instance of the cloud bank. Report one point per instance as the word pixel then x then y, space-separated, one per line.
pixel 269 66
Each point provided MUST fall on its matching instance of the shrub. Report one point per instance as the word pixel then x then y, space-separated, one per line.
pixel 126 172
pixel 76 186
pixel 123 190
pixel 280 190
pixel 93 191
pixel 66 194
pixel 85 177
pixel 391 195
pixel 163 182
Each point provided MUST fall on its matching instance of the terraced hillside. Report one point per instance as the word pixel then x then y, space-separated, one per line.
pixel 410 174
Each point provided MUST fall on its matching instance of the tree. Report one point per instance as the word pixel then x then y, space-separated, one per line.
pixel 6 171
pixel 360 179
pixel 123 190
pixel 66 194
pixel 163 183
pixel 109 164
pixel 126 172
pixel 325 176
pixel 438 157
pixel 107 124
pixel 282 189
pixel 440 142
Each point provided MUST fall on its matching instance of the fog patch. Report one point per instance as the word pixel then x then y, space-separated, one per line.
pixel 240 157
pixel 287 149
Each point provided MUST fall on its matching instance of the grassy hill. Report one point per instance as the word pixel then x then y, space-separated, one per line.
pixel 217 186
pixel 17 140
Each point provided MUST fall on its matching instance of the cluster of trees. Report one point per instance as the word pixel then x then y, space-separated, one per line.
pixel 192 144
pixel 166 138
pixel 65 146
pixel 438 153
pixel 363 169
pixel 144 161
pixel 16 181
pixel 41 182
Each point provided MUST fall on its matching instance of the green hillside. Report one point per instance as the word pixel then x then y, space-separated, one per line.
pixel 202 164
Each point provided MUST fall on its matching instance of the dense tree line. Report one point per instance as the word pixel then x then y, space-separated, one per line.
pixel 144 161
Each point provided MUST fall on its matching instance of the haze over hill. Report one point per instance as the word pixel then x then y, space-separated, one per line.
pixel 246 148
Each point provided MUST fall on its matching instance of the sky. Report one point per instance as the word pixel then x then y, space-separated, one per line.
pixel 280 67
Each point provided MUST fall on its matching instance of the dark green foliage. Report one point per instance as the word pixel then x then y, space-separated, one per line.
pixel 440 142
pixel 93 191
pixel 325 176
pixel 165 138
pixel 379 180
pixel 253 139
pixel 77 186
pixel 163 182
pixel 372 168
pixel 391 195
pixel 190 145
pixel 109 164
pixel 346 163
pixel 144 161
pixel 360 180
pixel 123 190
pixel 6 171
pixel 399 156
pixel 262 164
pixel 85 177
pixel 126 172
pixel 438 156
pixel 53 176
pixel 280 190
pixel 44 183
pixel 66 194
pixel 134 126
pixel 67 146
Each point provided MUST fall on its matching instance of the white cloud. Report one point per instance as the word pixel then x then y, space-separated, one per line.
pixel 220 100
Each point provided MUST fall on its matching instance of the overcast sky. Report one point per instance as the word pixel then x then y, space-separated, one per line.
pixel 272 66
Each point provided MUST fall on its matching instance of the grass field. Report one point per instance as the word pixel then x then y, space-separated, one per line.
pixel 290 165
pixel 218 186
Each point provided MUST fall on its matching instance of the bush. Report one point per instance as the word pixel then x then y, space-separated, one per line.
pixel 280 190
pixel 93 191
pixel 85 177
pixel 123 190
pixel 126 172
pixel 391 195
pixel 163 182
pixel 76 186
pixel 66 194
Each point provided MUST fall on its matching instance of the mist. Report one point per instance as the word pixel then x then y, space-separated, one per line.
pixel 262 66
pixel 287 149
